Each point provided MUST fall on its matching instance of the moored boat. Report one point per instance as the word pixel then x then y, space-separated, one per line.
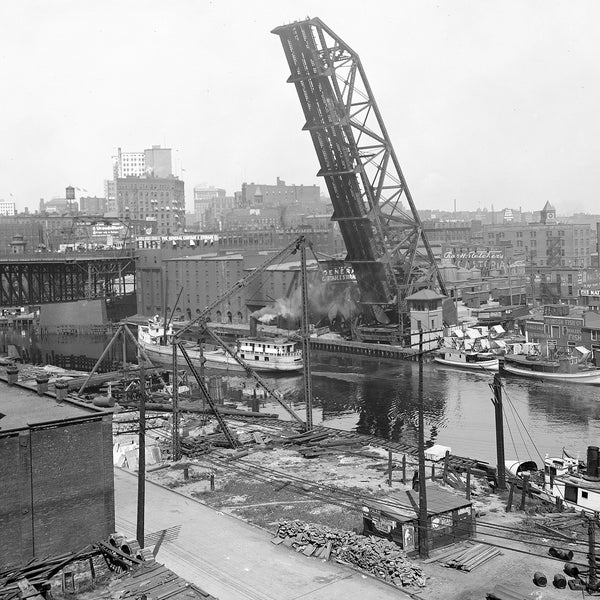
pixel 467 359
pixel 261 353
pixel 573 483
pixel 564 368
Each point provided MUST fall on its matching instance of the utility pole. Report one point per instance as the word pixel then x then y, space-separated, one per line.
pixel 423 529
pixel 175 452
pixel 306 339
pixel 497 402
pixel 141 505
pixel 592 550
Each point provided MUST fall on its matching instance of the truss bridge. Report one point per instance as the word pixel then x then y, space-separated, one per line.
pixel 65 277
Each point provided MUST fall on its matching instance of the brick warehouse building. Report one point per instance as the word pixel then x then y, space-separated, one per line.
pixel 56 469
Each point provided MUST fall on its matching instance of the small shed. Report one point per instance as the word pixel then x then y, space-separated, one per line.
pixel 395 517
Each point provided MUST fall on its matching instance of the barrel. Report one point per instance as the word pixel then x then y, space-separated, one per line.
pixel 561 554
pixel 571 570
pixel 539 579
pixel 560 581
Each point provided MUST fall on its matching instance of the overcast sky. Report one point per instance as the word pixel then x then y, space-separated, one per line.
pixel 486 102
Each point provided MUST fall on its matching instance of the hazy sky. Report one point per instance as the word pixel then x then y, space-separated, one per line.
pixel 486 102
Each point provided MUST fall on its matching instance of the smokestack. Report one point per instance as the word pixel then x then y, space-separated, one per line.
pixel 253 325
pixel 592 462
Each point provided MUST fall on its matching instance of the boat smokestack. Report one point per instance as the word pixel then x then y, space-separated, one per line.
pixel 253 325
pixel 593 458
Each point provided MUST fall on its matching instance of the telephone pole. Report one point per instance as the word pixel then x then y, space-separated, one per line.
pixel 423 529
pixel 497 402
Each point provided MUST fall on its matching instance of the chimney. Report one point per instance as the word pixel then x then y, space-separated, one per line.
pixel 592 463
pixel 253 326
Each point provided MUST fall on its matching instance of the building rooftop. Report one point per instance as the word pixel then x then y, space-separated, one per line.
pixel 404 506
pixel 425 294
pixel 24 408
pixel 209 256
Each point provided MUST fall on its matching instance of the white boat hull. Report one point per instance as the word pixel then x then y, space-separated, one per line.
pixel 483 365
pixel 220 359
pixel 589 377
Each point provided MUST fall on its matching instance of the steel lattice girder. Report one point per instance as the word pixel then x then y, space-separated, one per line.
pixel 33 282
pixel 386 245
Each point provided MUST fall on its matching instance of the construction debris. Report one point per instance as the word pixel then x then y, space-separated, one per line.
pixel 568 526
pixel 466 558
pixel 377 556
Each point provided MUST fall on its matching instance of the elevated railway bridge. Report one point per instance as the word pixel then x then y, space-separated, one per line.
pixel 40 278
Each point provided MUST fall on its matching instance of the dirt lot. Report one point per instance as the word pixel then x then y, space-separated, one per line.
pixel 253 487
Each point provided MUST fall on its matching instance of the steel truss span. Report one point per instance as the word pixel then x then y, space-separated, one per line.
pixel 35 281
pixel 386 243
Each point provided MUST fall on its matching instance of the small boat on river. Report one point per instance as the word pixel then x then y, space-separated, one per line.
pixel 574 483
pixel 467 359
pixel 563 368
pixel 277 354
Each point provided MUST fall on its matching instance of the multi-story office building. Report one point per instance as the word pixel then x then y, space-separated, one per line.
pixel 92 205
pixel 255 195
pixel 159 201
pixel 158 162
pixel 110 193
pixel 205 198
pixel 130 164
pixel 155 161
pixel 7 208
pixel 548 243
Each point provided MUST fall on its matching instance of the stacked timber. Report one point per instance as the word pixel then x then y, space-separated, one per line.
pixel 467 558
pixel 566 526
pixel 314 444
pixel 376 556
pixel 35 576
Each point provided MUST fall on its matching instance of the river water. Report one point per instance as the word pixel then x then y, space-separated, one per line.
pixel 380 397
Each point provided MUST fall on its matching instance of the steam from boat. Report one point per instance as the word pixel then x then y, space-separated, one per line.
pixel 322 305
pixel 282 307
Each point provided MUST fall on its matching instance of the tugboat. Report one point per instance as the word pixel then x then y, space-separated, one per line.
pixel 575 484
pixel 467 359
pixel 261 353
pixel 554 368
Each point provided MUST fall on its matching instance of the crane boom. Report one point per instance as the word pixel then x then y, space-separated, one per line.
pixel 252 373
pixel 291 248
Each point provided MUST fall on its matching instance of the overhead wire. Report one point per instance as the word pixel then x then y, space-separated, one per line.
pixel 356 501
pixel 344 504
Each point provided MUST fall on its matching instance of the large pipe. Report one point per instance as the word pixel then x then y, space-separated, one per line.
pixel 592 462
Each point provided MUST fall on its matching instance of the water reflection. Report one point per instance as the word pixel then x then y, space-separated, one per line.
pixel 379 396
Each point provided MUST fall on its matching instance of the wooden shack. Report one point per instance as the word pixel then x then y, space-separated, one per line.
pixel 395 517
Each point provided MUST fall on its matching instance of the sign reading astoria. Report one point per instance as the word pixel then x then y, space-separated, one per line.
pixel 469 257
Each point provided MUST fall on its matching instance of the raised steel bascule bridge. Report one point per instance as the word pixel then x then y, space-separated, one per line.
pixel 386 243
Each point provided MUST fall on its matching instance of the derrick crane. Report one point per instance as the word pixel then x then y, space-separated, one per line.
pixel 386 244
pixel 201 322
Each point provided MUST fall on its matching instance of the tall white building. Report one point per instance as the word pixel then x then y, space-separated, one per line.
pixel 153 162
pixel 7 209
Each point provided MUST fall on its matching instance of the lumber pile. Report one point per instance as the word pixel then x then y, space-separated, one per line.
pixel 313 444
pixel 567 526
pixel 467 558
pixel 35 576
pixel 195 447
pixel 377 556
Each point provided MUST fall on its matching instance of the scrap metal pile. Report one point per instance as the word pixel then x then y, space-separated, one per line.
pixel 377 556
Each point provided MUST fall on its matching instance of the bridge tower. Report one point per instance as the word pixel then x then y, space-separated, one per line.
pixel 385 239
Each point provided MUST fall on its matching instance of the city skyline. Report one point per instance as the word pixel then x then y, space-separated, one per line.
pixel 485 103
